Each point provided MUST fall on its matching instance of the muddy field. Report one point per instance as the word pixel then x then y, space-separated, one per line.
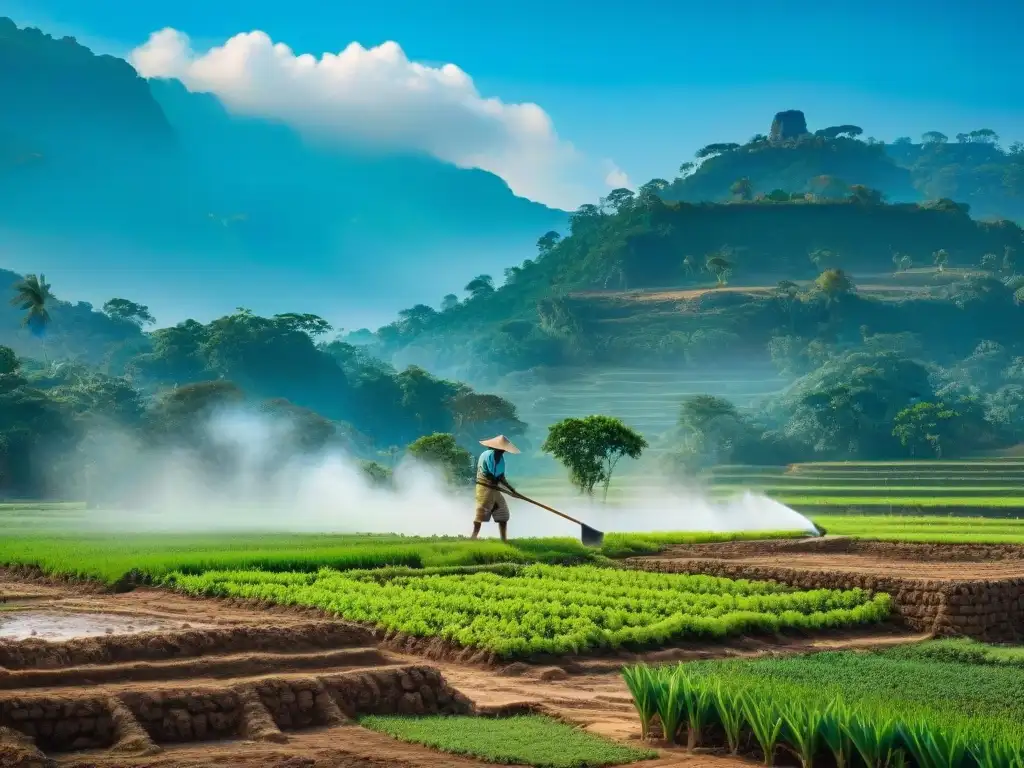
pixel 204 682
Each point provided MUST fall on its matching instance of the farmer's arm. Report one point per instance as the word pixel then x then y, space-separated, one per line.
pixel 502 480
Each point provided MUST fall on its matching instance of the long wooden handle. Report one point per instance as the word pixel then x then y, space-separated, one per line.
pixel 517 495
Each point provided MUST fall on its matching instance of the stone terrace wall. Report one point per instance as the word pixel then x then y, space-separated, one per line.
pixel 138 721
pixel 990 610
pixel 163 645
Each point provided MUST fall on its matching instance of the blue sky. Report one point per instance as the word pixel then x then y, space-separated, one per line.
pixel 645 82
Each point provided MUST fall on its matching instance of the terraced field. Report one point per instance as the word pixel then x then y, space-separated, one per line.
pixel 646 399
pixel 982 487
pixel 972 488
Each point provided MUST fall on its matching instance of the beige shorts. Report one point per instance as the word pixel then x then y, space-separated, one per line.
pixel 490 505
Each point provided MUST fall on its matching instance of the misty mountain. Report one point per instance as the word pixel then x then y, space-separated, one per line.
pixel 120 186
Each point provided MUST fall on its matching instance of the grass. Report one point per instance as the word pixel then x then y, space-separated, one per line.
pixel 37 535
pixel 925 529
pixel 959 650
pixel 523 740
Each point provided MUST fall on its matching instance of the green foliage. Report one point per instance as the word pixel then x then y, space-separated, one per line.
pixel 591 447
pixel 927 428
pixel 554 609
pixel 129 311
pixel 32 295
pixel 113 559
pixel 441 451
pixel 882 707
pixel 520 740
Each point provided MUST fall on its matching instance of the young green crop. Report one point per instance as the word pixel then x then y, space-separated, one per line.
pixel 871 709
pixel 552 609
pixel 522 740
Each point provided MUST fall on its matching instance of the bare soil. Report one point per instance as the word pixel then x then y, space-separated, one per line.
pixel 216 648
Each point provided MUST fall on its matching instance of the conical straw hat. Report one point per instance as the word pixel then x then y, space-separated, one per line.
pixel 500 443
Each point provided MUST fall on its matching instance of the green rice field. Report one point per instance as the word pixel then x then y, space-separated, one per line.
pixel 947 703
pixel 975 488
pixel 39 536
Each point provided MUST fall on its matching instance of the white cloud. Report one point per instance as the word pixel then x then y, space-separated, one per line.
pixel 379 96
pixel 616 178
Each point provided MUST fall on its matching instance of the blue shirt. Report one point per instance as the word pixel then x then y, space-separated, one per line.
pixel 487 465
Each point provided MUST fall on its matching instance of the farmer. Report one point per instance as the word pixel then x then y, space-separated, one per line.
pixel 490 476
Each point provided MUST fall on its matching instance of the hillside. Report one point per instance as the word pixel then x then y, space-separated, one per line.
pixel 139 187
pixel 615 291
pixel 826 162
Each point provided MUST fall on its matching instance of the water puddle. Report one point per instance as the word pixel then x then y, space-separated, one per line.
pixel 53 625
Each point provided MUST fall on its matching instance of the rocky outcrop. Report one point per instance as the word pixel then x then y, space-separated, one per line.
pixel 790 124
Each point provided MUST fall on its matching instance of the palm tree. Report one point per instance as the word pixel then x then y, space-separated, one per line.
pixel 32 294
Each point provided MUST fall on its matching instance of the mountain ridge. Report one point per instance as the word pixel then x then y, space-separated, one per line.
pixel 151 183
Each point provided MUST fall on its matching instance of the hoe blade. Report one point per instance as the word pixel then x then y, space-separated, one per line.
pixel 591 537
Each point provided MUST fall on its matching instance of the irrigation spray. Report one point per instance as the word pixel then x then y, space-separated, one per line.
pixel 260 489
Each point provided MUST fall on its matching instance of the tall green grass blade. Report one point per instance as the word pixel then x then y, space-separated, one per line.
pixel 641 684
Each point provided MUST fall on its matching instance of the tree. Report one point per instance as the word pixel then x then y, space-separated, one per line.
pixel 650 193
pixel 449 302
pixel 715 149
pixel 742 189
pixel 835 131
pixel 778 196
pixel 314 325
pixel 710 429
pixel 477 415
pixel 903 141
pixel 834 284
pixel 934 137
pixel 619 199
pixel 686 169
pixel 984 136
pixel 720 267
pixel 941 259
pixel 441 451
pixel 547 242
pixel 926 427
pixel 129 311
pixel 591 447
pixel 416 318
pixel 32 295
pixel 481 285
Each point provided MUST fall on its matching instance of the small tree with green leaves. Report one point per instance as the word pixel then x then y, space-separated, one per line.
pixel 441 451
pixel 926 427
pixel 591 447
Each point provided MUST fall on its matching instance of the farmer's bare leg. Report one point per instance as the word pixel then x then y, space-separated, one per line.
pixel 476 531
pixel 503 530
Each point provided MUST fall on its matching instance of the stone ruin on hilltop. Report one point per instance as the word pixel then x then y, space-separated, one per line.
pixel 790 124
